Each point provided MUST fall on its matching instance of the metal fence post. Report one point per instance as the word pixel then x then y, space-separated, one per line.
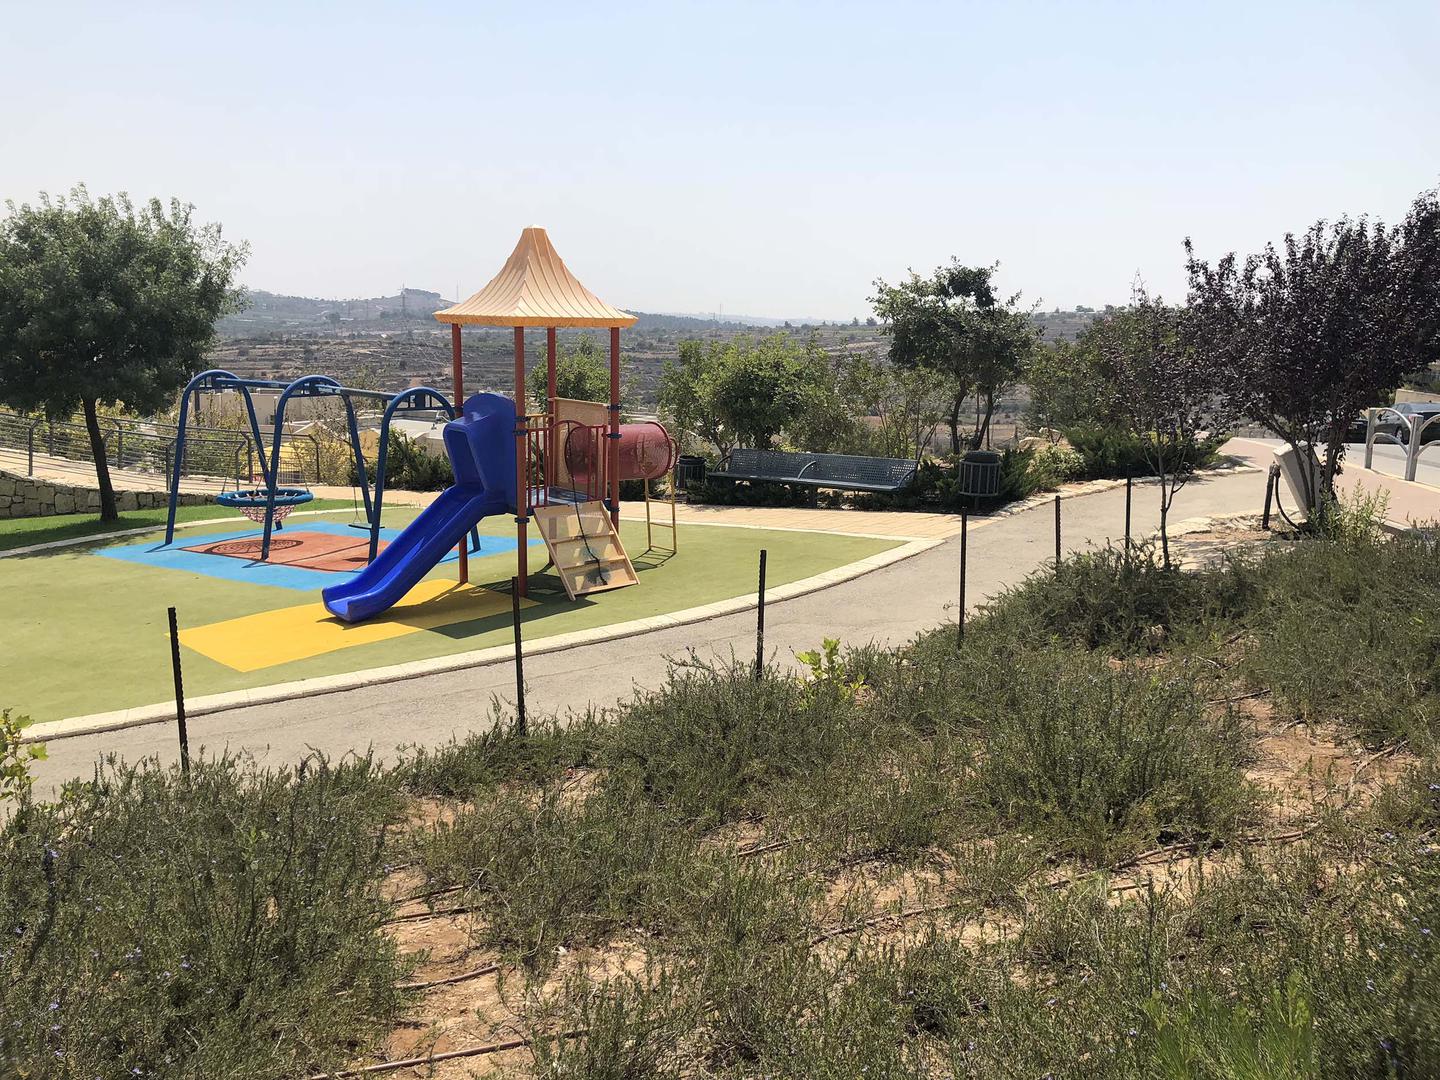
pixel 520 723
pixel 1057 532
pixel 1270 479
pixel 1129 486
pixel 760 621
pixel 964 537
pixel 179 695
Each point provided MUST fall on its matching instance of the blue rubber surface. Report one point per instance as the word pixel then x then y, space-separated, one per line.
pixel 298 578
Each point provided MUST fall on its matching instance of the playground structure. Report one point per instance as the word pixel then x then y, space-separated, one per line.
pixel 268 503
pixel 562 467
pixel 570 459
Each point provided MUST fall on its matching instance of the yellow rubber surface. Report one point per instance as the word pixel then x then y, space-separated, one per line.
pixel 268 638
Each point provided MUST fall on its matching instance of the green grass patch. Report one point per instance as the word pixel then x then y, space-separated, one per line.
pixel 70 602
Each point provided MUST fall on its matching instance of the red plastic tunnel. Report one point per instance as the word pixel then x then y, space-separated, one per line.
pixel 647 451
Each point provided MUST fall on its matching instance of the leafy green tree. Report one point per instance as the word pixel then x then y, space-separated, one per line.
pixel 907 404
pixel 103 303
pixel 954 324
pixel 1063 381
pixel 1324 326
pixel 739 392
pixel 582 371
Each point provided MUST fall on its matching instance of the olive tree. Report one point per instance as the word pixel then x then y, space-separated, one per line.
pixel 1323 326
pixel 953 323
pixel 582 371
pixel 906 404
pixel 103 303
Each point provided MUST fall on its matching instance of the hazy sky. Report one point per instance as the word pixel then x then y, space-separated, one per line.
pixel 771 158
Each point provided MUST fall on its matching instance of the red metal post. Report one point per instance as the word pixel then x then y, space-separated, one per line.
pixel 613 457
pixel 457 372
pixel 522 447
pixel 551 466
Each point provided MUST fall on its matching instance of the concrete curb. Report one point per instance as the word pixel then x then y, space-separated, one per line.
pixel 164 712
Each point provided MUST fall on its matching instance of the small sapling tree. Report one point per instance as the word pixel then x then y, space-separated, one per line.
pixel 1156 376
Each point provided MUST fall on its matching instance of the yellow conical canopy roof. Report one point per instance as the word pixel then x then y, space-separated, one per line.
pixel 535 288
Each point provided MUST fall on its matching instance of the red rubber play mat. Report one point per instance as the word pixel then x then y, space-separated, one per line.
pixel 311 550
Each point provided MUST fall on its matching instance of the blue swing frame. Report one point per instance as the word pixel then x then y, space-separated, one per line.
pixel 414 399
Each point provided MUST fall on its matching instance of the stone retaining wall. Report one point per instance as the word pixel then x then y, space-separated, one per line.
pixel 27 496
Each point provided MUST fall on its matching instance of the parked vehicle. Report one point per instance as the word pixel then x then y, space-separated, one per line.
pixel 1390 424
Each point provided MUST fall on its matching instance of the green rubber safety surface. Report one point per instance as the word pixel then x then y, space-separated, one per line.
pixel 84 634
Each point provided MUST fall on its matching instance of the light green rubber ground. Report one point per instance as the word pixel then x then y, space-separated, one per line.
pixel 84 634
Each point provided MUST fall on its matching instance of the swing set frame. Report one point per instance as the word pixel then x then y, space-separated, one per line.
pixel 219 381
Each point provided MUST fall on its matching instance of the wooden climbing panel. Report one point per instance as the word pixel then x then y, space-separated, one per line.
pixel 584 548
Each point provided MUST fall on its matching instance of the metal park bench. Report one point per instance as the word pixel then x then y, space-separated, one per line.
pixel 843 472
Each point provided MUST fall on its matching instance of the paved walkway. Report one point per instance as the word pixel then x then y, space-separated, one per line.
pixel 912 525
pixel 887 606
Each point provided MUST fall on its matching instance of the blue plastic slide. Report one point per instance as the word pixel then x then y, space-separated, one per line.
pixel 481 445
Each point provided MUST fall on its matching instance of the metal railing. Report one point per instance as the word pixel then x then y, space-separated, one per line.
pixel 148 447
pixel 1414 426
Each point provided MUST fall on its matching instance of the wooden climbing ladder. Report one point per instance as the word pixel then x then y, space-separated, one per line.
pixel 584 547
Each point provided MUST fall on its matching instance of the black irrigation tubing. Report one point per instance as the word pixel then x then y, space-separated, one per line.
pixel 420 916
pixel 464 976
pixel 447 1055
pixel 878 920
pixel 427 895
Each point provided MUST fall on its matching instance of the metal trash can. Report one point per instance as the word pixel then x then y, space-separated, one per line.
pixel 980 474
pixel 689 469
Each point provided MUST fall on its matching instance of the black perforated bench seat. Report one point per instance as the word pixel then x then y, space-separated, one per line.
pixel 844 472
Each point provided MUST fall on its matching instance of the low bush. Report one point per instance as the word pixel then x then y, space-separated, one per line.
pixel 716 743
pixel 1112 453
pixel 498 754
pixel 410 467
pixel 1107 758
pixel 224 924
pixel 1347 632
pixel 1120 601
pixel 550 870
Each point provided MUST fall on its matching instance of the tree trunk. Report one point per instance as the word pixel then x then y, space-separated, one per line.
pixel 1334 447
pixel 982 423
pixel 102 467
pixel 1164 519
pixel 955 423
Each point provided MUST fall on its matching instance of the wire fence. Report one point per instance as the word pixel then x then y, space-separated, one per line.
pixel 148 447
